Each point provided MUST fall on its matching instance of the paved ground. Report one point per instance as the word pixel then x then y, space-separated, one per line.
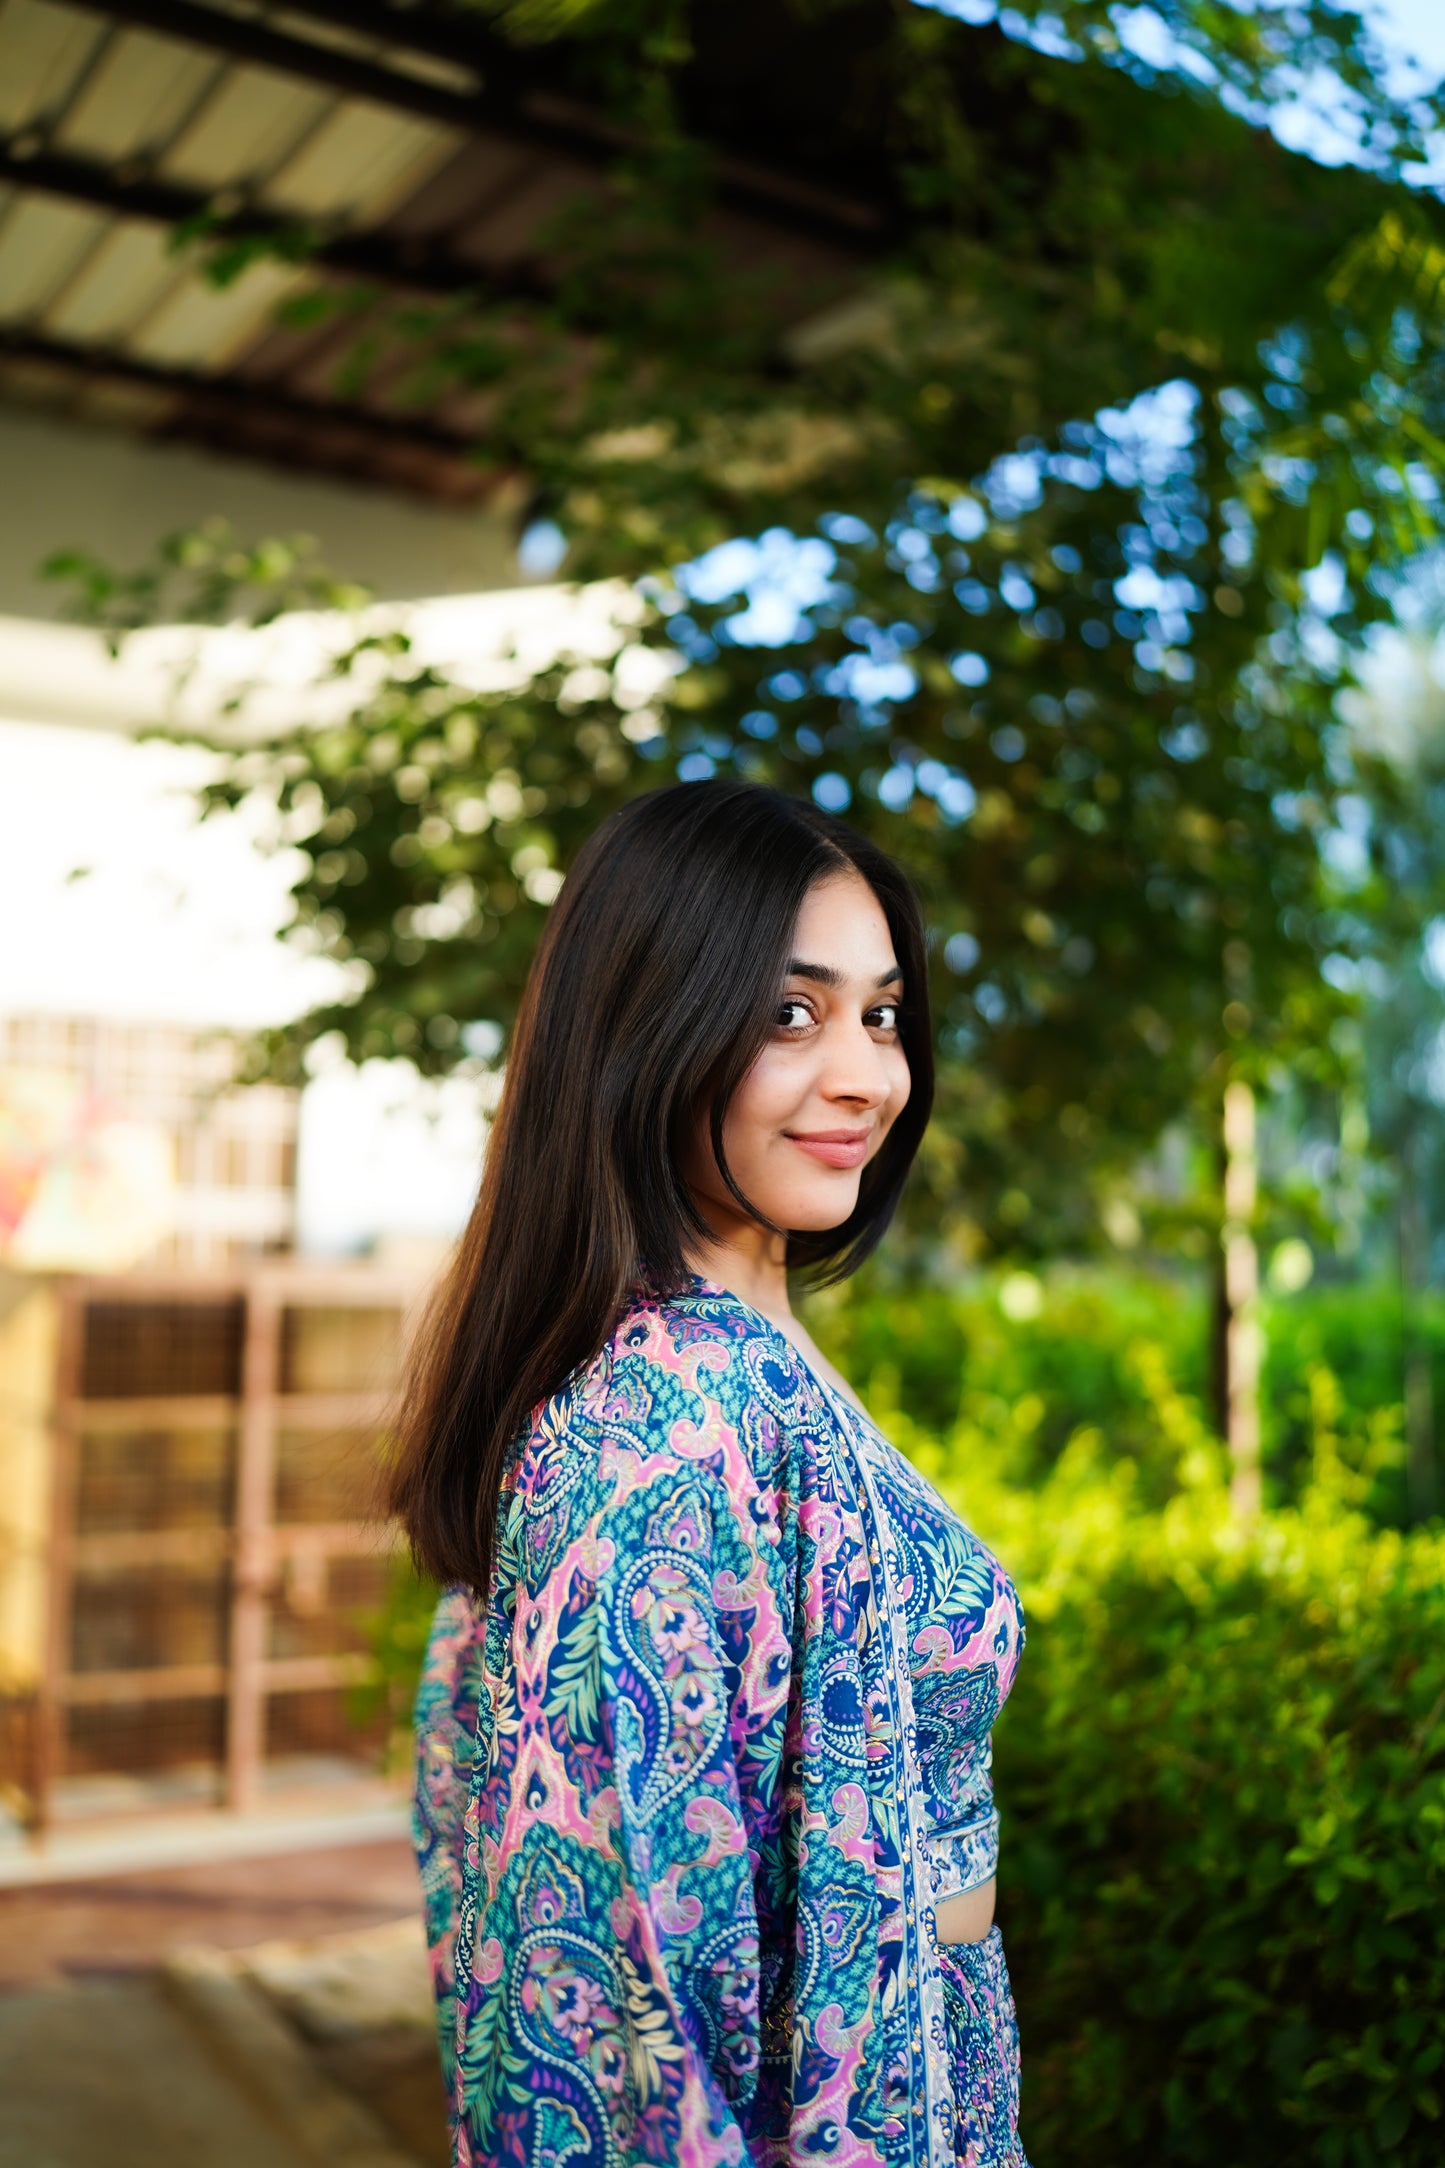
pixel 269 2013
pixel 132 1921
pixel 110 2071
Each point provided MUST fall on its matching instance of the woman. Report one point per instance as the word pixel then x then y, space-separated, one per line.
pixel 704 1811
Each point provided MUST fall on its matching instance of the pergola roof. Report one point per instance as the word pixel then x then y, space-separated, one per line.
pixel 378 153
pixel 416 150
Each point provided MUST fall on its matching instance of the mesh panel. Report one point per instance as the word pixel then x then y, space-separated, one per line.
pixel 316 1723
pixel 17 1743
pixel 328 1475
pixel 340 1350
pixel 141 1479
pixel 136 1618
pixel 136 1349
pixel 321 1607
pixel 145 1736
pixel 132 1611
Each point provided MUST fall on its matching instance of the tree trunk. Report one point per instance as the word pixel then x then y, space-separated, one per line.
pixel 1421 1469
pixel 1239 1279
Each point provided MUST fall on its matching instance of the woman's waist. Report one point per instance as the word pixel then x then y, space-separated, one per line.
pixel 966 1915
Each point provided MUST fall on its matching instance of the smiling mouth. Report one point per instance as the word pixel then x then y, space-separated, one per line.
pixel 833 1147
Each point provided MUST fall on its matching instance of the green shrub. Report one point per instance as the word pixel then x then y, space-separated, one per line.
pixel 1356 1334
pixel 1222 1779
pixel 942 1356
pixel 396 1633
pixel 945 1355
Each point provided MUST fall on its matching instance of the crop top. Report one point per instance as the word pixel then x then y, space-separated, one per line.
pixel 963 1628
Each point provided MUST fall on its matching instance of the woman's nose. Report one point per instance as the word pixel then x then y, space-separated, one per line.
pixel 856 1070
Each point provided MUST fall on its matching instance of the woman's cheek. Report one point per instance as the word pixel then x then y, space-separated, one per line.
pixel 766 1096
pixel 757 1109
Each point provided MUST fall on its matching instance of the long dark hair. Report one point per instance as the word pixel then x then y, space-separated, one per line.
pixel 653 990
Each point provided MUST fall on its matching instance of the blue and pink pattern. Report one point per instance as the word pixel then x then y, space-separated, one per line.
pixel 691 1783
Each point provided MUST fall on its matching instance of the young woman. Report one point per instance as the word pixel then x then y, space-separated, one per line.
pixel 704 1810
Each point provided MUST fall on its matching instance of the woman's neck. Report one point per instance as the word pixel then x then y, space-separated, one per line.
pixel 751 1262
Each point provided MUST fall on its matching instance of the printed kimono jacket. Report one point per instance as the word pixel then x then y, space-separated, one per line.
pixel 690 1784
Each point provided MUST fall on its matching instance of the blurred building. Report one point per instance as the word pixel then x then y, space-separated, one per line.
pixel 188 1409
pixel 95 1113
pixel 190 1550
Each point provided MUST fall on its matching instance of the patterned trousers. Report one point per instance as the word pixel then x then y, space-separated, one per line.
pixel 984 2035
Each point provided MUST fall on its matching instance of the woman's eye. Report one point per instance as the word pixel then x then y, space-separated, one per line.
pixel 794 1016
pixel 884 1017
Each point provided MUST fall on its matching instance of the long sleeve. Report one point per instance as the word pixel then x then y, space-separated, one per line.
pixel 679 1899
pixel 445 1728
pixel 635 1690
pixel 686 1916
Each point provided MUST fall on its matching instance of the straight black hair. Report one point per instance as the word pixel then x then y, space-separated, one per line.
pixel 653 990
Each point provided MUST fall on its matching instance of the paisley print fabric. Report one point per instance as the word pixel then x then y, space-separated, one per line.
pixel 962 1626
pixel 691 1782
pixel 984 2036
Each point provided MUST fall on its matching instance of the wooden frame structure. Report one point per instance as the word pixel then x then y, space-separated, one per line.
pixel 253 1545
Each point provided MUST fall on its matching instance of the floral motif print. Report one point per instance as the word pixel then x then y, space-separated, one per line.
pixel 691 1782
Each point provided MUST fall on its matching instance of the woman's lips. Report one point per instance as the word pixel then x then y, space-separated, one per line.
pixel 834 1147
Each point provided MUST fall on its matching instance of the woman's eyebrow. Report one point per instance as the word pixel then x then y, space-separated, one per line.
pixel 826 975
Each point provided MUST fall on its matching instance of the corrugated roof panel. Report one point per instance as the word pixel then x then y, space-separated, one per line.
pixel 41 243
pixel 359 164
pixel 45 49
pixel 127 278
pixel 200 327
pixel 255 122
pixel 142 92
pixel 398 54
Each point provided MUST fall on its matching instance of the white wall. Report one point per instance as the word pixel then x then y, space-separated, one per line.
pixel 69 485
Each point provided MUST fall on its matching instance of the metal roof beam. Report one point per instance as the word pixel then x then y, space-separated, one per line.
pixel 229 396
pixel 461 37
pixel 515 107
pixel 374 257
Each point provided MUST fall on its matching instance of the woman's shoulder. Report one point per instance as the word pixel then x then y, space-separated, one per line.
pixel 716 1347
pixel 697 1376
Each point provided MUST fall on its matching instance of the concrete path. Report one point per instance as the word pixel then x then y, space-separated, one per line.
pixel 134 1921
pixel 313 2054
pixel 111 2071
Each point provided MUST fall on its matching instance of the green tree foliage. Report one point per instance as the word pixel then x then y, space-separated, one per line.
pixel 1050 496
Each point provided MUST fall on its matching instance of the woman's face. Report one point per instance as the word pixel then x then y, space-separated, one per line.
pixel 822 1095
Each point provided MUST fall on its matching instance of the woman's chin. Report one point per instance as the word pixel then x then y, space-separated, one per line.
pixel 814 1214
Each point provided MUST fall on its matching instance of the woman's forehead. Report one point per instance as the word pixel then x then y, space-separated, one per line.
pixel 841 925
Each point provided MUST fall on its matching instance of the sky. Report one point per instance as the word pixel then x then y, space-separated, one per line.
pixel 1417 27
pixel 1414 30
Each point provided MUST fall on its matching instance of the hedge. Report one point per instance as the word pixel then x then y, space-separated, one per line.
pixel 1222 1780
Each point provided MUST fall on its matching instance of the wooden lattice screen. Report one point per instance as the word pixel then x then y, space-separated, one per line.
pixel 214 1543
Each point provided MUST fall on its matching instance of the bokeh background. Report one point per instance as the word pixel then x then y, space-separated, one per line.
pixel 1023 431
